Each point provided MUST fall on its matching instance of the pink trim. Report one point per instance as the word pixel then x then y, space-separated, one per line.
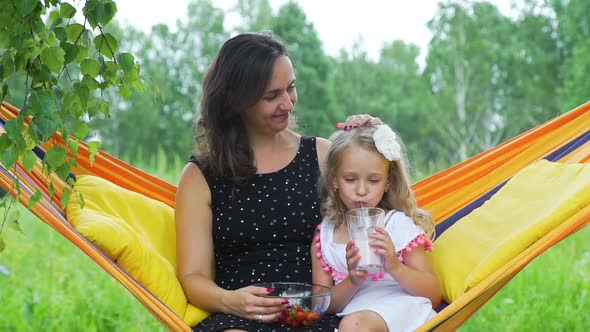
pixel 420 240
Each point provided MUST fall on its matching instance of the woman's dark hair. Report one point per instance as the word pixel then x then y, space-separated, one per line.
pixel 234 82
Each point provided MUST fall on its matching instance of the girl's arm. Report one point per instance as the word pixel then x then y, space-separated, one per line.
pixel 416 274
pixel 345 290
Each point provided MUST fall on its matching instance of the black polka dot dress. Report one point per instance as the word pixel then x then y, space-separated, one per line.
pixel 262 231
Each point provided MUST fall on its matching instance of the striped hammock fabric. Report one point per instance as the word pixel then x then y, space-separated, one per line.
pixel 448 195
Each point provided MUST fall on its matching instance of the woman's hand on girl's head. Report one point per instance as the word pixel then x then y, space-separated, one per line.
pixel 357 277
pixel 381 241
pixel 249 303
pixel 355 121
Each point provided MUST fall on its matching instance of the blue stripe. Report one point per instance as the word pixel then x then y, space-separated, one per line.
pixel 568 148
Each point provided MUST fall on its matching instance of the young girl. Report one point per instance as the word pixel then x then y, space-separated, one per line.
pixel 365 167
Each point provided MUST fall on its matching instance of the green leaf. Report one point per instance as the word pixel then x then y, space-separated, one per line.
pixel 40 74
pixel 51 190
pixel 13 220
pixel 125 91
pixel 57 92
pixel 71 52
pixel 63 171
pixel 40 29
pixel 90 83
pixel 81 199
pixel 25 7
pixel 73 104
pixel 9 156
pixel 93 149
pixel 66 10
pixel 109 71
pixel 2 243
pixel 82 92
pixel 74 31
pixel 82 130
pixel 53 57
pixel 56 156
pixel 57 21
pixel 14 128
pixel 60 33
pixel 35 198
pixel 105 108
pixel 106 44
pixel 30 142
pixel 5 142
pixel 82 53
pixel 126 61
pixel 93 109
pixel 40 103
pixel 5 92
pixel 54 15
pixel 4 38
pixel 8 67
pixel 74 144
pixel 89 67
pixel 65 198
pixel 45 126
pixel 17 186
pixel 99 12
pixel 29 160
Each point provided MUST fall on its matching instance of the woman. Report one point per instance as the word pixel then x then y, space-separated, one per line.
pixel 247 204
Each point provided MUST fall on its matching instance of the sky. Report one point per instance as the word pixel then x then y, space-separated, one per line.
pixel 339 23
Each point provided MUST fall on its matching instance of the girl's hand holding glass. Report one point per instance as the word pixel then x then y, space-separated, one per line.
pixel 357 277
pixel 383 245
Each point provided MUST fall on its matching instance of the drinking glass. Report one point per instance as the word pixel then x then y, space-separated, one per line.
pixel 362 222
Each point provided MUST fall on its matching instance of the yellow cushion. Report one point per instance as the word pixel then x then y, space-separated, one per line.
pixel 138 233
pixel 532 203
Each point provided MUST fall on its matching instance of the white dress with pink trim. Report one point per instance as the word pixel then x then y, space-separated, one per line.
pixel 382 293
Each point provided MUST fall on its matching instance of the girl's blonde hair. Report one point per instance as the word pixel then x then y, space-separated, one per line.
pixel 400 195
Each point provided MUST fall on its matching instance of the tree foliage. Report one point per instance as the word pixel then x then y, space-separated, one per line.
pixel 64 69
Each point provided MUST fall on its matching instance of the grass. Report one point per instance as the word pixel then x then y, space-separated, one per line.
pixel 51 285
pixel 550 294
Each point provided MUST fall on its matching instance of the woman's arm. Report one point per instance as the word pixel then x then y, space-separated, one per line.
pixel 194 242
pixel 195 257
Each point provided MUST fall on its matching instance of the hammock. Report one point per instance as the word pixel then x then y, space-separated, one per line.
pixel 449 196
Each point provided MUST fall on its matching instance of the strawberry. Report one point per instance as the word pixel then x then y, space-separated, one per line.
pixel 289 321
pixel 313 316
pixel 301 316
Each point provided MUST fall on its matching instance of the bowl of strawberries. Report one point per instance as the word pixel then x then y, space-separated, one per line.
pixel 307 302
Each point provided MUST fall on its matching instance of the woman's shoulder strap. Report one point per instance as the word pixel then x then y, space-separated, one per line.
pixel 308 143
